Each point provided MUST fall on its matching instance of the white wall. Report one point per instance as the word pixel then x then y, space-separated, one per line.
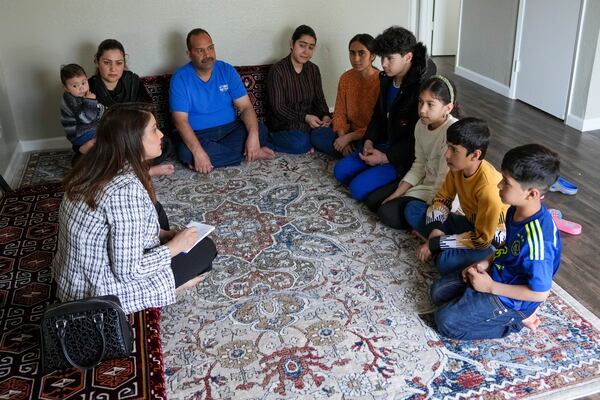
pixel 487 38
pixel 8 135
pixel 584 113
pixel 36 37
pixel 593 103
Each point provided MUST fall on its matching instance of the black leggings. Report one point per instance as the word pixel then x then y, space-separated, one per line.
pixel 196 262
pixel 375 198
pixel 392 212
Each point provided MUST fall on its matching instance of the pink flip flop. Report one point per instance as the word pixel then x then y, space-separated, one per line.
pixel 563 225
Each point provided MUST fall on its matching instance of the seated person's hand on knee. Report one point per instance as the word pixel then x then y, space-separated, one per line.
pixel 423 253
pixel 341 142
pixel 313 121
pixel 202 162
pixel 480 281
pixel 252 148
pixel 374 157
pixel 481 266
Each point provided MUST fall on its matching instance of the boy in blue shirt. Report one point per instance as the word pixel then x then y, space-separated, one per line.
pixel 493 298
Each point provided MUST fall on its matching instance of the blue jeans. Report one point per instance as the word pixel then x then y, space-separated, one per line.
pixel 467 314
pixel 292 142
pixel 299 142
pixel 414 213
pixel 447 260
pixel 322 139
pixel 362 178
pixel 224 144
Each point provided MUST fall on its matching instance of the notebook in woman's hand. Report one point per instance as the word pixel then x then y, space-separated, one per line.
pixel 202 229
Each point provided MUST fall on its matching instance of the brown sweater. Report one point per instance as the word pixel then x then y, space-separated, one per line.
pixel 292 95
pixel 355 100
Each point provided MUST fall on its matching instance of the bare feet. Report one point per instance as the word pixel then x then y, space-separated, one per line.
pixel 191 283
pixel 162 169
pixel 265 153
pixel 532 322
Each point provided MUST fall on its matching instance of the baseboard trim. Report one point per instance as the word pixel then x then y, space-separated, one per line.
pixel 484 81
pixel 25 146
pixel 591 124
pixel 581 124
pixel 574 122
pixel 11 168
pixel 55 143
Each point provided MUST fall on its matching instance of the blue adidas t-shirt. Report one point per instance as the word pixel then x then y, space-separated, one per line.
pixel 208 104
pixel 530 256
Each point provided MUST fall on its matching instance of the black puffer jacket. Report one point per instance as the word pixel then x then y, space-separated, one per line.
pixel 398 128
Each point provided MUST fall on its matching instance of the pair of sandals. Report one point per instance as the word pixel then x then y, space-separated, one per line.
pixel 572 228
pixel 564 186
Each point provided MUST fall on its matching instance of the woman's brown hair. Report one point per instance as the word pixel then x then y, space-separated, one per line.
pixel 118 148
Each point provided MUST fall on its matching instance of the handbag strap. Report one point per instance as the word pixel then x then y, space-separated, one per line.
pixel 61 327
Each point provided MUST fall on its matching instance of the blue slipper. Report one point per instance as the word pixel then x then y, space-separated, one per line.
pixel 564 186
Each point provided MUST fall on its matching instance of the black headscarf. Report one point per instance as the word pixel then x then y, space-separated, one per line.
pixel 129 88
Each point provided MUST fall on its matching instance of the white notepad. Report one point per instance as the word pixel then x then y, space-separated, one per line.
pixel 202 229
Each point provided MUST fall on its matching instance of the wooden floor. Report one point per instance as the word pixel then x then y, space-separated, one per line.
pixel 514 123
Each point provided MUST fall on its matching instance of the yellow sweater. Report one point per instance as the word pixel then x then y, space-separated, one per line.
pixel 479 200
pixel 356 97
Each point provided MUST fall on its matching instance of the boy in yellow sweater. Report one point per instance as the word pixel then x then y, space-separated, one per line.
pixel 457 240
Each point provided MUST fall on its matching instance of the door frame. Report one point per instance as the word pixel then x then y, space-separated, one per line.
pixel 514 76
pixel 421 23
pixel 425 23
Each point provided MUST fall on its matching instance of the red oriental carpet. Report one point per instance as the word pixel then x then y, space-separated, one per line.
pixel 28 235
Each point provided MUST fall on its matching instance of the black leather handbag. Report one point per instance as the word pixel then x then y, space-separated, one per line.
pixel 82 333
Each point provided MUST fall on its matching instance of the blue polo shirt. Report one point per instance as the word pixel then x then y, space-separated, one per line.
pixel 530 256
pixel 208 104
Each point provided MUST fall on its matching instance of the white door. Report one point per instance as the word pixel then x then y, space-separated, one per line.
pixel 444 40
pixel 546 54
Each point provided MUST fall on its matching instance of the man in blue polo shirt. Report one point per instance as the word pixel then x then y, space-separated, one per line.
pixel 204 96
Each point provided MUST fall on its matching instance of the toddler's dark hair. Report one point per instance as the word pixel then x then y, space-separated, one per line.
pixel 471 133
pixel 532 165
pixel 71 71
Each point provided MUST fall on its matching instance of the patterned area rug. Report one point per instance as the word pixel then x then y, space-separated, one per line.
pixel 311 297
pixel 45 166
pixel 28 230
